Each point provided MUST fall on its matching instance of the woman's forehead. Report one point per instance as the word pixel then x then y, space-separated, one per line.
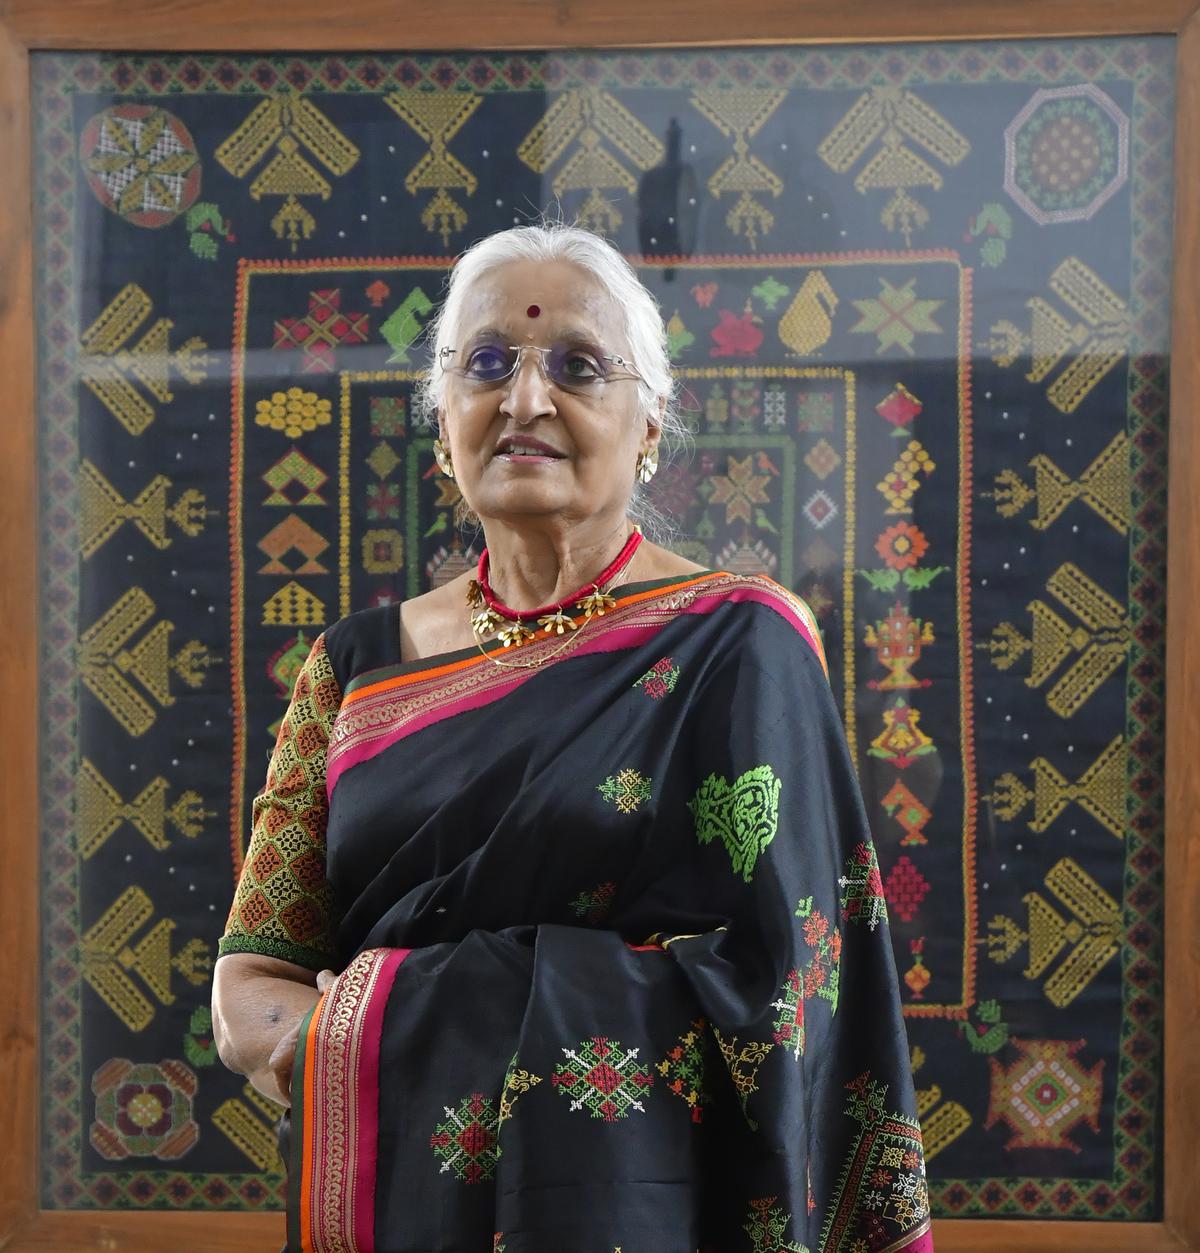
pixel 531 299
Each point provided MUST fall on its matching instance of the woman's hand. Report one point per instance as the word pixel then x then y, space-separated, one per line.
pixel 282 1061
pixel 258 1006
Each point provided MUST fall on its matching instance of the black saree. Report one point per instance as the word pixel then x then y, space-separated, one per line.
pixel 613 943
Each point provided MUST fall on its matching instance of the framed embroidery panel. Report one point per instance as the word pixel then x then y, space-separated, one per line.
pixel 922 273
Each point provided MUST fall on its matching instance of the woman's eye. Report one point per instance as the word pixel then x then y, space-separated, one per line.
pixel 487 363
pixel 578 365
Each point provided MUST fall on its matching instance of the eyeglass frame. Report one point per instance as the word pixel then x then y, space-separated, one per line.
pixel 542 351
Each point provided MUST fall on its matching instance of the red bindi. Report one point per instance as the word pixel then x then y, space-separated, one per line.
pixel 533 311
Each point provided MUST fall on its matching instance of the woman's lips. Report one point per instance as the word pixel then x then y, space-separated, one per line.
pixel 527 451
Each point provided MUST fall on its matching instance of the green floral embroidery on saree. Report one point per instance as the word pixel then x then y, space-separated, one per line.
pixel 744 814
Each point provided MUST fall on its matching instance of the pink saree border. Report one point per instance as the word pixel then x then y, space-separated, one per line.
pixel 407 704
pixel 341 1107
pixel 919 1241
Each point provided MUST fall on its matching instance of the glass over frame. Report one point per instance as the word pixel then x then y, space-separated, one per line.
pixel 916 298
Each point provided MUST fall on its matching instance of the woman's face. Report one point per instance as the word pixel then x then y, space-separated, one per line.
pixel 585 445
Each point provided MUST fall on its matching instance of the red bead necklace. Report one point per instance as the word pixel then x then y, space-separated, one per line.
pixel 593 598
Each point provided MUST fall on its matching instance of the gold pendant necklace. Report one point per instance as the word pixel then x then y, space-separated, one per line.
pixel 513 632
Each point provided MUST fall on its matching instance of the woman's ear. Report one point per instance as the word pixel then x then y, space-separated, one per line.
pixel 654 424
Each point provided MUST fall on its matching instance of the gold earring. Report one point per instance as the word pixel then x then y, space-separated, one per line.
pixel 441 454
pixel 647 465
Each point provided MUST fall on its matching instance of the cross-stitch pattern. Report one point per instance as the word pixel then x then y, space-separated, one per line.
pixel 603 1077
pixel 916 299
pixel 466 1142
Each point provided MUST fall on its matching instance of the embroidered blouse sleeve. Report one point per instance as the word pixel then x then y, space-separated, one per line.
pixel 283 906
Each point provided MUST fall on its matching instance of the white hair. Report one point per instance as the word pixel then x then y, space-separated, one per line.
pixel 641 319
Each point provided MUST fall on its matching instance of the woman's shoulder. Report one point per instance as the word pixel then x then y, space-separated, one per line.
pixel 363 640
pixel 789 609
pixel 380 636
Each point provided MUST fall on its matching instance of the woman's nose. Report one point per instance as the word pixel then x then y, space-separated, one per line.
pixel 529 394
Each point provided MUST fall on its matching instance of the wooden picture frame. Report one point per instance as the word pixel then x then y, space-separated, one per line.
pixel 219 25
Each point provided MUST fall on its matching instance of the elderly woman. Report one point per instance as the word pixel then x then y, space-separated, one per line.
pixel 583 840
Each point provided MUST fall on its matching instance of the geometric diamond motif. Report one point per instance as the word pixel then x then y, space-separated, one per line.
pixel 822 459
pixel 387 416
pixel 383 460
pixel 467 1141
pixel 910 812
pixel 899 407
pixel 905 888
pixel 295 467
pixel 1045 1094
pixel 820 510
pixel 604 1077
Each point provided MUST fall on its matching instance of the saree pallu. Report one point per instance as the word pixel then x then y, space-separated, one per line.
pixel 613 942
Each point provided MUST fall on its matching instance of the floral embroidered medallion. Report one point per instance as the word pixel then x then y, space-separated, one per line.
pixel 144 1110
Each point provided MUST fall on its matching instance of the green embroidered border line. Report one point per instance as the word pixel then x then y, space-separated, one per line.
pixel 300 954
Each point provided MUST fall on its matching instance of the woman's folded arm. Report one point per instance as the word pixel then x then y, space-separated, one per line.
pixel 258 1006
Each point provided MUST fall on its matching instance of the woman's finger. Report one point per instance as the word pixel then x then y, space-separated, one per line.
pixel 283 1058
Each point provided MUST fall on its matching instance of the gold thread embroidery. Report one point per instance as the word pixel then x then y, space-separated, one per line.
pixel 1091 346
pixel 337 1058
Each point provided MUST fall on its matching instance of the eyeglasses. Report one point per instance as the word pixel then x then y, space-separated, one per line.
pixel 568 366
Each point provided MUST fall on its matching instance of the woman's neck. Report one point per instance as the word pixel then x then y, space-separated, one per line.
pixel 528 569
